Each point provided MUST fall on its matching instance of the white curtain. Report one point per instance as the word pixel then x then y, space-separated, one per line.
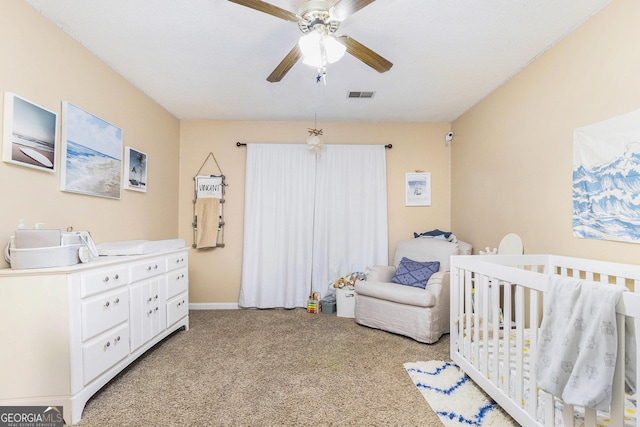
pixel 350 228
pixel 278 226
pixel 310 219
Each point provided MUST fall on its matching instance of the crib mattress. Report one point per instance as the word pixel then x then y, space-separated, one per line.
pixel 602 417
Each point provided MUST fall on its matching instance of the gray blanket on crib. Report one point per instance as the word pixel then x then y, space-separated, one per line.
pixel 578 341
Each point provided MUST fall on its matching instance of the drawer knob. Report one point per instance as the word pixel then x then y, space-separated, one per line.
pixel 156 297
pixel 156 309
pixel 108 344
pixel 116 277
pixel 106 304
pixel 117 301
pixel 149 268
pixel 106 279
pixel 115 341
pixel 150 299
pixel 179 304
pixel 150 312
pixel 155 266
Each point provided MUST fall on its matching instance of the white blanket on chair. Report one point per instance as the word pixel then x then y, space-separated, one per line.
pixel 578 341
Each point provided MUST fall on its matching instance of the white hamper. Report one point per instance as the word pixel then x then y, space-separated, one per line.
pixel 346 302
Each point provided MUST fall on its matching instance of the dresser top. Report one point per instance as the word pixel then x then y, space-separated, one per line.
pixel 102 261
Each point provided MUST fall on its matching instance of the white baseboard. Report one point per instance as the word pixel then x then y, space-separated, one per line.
pixel 214 306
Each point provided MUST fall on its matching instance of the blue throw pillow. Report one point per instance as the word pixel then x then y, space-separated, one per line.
pixel 414 273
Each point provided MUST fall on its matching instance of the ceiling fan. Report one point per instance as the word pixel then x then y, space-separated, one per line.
pixel 323 17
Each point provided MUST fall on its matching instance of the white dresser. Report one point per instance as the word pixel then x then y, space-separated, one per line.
pixel 65 332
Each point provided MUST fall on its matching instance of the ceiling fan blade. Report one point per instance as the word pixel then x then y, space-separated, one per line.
pixel 285 65
pixel 268 8
pixel 345 8
pixel 365 54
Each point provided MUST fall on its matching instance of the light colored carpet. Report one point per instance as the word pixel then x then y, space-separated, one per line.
pixel 270 368
pixel 456 399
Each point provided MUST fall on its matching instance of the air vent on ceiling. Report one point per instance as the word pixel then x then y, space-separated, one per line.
pixel 360 94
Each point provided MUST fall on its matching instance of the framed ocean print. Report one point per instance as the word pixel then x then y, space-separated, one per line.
pixel 417 189
pixel 29 135
pixel 91 154
pixel 135 169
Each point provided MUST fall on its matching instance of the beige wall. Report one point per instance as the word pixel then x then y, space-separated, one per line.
pixel 215 274
pixel 512 153
pixel 44 65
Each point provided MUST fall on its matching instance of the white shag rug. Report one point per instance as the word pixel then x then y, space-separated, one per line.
pixel 454 397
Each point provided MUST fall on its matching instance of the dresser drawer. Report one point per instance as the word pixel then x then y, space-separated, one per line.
pixel 149 268
pixel 104 351
pixel 177 308
pixel 177 282
pixel 104 312
pixel 102 280
pixel 177 261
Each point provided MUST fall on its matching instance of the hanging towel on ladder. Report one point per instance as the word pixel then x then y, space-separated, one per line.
pixel 208 210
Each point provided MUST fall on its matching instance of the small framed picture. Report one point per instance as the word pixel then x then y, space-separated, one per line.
pixel 417 189
pixel 30 134
pixel 135 169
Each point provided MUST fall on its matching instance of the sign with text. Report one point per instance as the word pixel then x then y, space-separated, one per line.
pixel 31 416
pixel 209 187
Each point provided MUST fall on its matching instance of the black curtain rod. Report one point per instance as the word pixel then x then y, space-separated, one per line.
pixel 241 144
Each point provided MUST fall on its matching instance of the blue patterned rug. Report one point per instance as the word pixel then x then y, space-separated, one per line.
pixel 454 397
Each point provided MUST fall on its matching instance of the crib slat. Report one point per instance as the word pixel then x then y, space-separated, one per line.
pixel 549 410
pixel 486 299
pixel 461 274
pixel 506 327
pixel 495 306
pixel 617 392
pixel 590 417
pixel 567 415
pixel 519 374
pixel 533 347
pixel 475 331
pixel 467 310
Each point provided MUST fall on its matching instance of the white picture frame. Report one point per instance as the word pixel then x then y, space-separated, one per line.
pixel 91 154
pixel 135 169
pixel 417 189
pixel 30 134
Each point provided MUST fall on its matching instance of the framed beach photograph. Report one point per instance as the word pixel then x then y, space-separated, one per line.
pixel 29 135
pixel 417 189
pixel 135 169
pixel 91 154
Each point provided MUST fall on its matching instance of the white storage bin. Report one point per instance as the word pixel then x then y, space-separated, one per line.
pixel 346 301
pixel 55 256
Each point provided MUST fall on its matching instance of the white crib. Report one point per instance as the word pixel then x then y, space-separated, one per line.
pixel 496 303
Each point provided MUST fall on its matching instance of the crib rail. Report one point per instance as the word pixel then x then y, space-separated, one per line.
pixel 496 310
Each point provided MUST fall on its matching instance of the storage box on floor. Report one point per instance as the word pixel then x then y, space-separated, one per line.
pixel 346 301
pixel 328 304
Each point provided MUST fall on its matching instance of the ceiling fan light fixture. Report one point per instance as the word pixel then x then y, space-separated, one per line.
pixel 311 47
pixel 319 50
pixel 334 49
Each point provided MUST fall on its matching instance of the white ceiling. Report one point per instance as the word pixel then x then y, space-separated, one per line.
pixel 209 59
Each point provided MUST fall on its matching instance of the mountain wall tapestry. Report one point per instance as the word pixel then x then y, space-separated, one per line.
pixel 606 179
